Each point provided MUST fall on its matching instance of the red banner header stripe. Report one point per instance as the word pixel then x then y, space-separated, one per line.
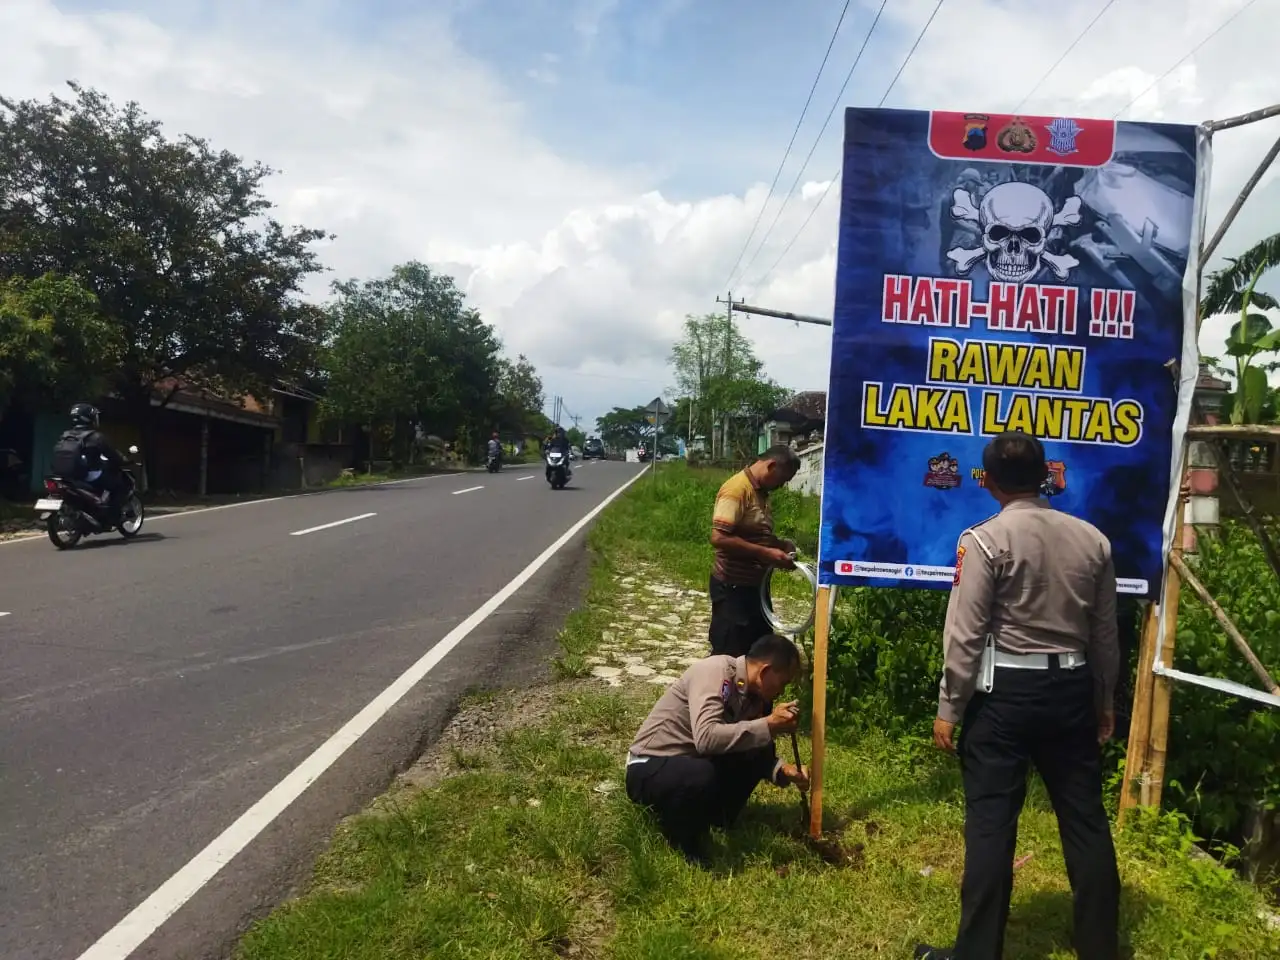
pixel 1010 138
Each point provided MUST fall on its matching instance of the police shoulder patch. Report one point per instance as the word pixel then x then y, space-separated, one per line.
pixel 726 691
pixel 955 581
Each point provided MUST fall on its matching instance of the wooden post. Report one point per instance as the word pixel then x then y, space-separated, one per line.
pixel 1135 757
pixel 1162 689
pixel 821 634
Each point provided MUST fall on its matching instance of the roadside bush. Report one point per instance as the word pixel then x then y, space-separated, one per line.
pixel 1224 752
pixel 885 660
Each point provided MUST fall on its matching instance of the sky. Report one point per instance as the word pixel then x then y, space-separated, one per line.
pixel 589 170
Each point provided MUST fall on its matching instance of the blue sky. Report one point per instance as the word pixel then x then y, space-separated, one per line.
pixel 589 169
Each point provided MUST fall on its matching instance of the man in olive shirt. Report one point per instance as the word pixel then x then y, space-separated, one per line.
pixel 1031 661
pixel 745 547
pixel 709 740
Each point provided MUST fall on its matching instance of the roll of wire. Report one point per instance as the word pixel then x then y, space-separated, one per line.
pixel 766 602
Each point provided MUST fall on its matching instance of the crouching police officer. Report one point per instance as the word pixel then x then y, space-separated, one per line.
pixel 1031 661
pixel 709 740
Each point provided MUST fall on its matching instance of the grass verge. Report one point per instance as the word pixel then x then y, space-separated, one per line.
pixel 523 846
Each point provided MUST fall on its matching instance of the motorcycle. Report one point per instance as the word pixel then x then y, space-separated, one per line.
pixel 557 469
pixel 73 509
pixel 493 464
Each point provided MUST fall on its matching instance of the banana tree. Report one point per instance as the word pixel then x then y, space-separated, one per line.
pixel 1234 289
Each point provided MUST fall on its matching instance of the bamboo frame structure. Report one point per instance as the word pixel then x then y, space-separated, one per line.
pixel 821 637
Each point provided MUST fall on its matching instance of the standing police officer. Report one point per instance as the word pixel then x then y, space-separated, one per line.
pixel 1031 662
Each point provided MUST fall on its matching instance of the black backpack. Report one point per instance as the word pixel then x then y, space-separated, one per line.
pixel 69 458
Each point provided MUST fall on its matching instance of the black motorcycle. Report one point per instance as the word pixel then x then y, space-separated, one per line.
pixel 73 509
pixel 557 469
pixel 493 464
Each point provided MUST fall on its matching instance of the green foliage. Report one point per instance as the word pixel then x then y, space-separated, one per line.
pixel 1224 752
pixel 1234 289
pixel 174 238
pixel 622 427
pixel 885 660
pixel 55 346
pixel 406 352
pixel 720 377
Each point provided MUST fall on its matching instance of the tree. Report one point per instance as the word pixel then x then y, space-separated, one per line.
pixel 1233 289
pixel 576 437
pixel 623 427
pixel 174 238
pixel 520 397
pixel 405 353
pixel 55 346
pixel 724 385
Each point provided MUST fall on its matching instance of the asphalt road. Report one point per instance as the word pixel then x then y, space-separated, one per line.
pixel 151 692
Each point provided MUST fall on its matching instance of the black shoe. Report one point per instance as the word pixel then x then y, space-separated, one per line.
pixel 926 952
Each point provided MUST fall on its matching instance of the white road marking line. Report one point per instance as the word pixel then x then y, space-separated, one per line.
pixel 529 477
pixel 468 490
pixel 335 523
pixel 250 503
pixel 4 614
pixel 146 918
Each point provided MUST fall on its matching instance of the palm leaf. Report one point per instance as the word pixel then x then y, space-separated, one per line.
pixel 1225 290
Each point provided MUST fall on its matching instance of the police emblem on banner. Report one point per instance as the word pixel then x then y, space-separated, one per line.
pixel 1016 137
pixel 943 473
pixel 1062 136
pixel 1056 482
pixel 975 131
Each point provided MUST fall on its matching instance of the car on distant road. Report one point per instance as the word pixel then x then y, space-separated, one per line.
pixel 593 449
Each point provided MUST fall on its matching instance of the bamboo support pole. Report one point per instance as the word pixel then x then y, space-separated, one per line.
pixel 1135 758
pixel 1188 576
pixel 1162 688
pixel 821 636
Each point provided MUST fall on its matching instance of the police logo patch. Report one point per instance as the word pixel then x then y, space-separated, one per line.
pixel 955 581
pixel 1016 137
pixel 726 691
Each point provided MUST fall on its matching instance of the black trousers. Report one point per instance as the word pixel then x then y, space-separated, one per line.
pixel 690 795
pixel 1046 718
pixel 736 618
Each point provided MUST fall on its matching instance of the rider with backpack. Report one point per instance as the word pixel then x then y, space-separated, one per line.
pixel 83 453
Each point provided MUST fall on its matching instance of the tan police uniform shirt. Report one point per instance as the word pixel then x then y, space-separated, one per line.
pixel 1039 581
pixel 707 711
pixel 742 510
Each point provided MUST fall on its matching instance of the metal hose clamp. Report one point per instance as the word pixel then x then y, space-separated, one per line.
pixel 766 605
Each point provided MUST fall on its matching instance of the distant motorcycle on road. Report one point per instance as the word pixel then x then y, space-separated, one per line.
pixel 493 463
pixel 557 469
pixel 73 509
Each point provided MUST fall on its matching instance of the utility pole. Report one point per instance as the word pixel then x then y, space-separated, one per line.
pixel 728 359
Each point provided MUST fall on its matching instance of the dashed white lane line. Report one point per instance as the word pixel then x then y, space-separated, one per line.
pixel 335 523
pixel 529 477
pixel 4 613
pixel 146 918
pixel 468 489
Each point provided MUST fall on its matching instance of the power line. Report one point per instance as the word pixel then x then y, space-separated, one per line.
pixel 818 139
pixel 1194 50
pixel 830 183
pixel 1057 63
pixel 803 113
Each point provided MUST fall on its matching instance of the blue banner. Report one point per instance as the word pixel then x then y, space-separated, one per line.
pixel 1003 272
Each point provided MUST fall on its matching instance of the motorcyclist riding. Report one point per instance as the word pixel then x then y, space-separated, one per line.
pixel 84 453
pixel 560 441
pixel 494 448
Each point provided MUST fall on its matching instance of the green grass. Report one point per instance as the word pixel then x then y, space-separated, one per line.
pixel 532 851
pixel 529 859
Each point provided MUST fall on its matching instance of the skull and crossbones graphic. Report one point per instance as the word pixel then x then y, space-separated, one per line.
pixel 1015 219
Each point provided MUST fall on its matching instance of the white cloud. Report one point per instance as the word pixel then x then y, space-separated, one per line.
pixel 409 148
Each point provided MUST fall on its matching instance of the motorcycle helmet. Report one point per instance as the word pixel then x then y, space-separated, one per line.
pixel 84 415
